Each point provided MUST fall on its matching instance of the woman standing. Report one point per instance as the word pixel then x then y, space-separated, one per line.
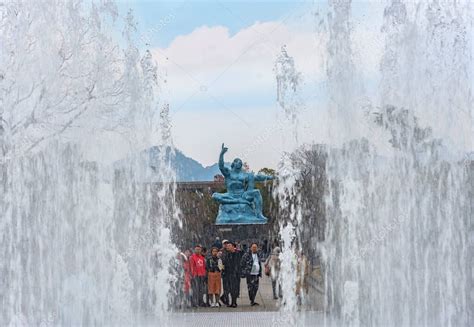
pixel 272 269
pixel 214 268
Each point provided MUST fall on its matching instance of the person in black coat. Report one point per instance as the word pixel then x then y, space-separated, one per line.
pixel 231 275
pixel 225 281
pixel 251 267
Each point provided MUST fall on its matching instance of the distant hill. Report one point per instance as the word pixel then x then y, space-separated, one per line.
pixel 187 169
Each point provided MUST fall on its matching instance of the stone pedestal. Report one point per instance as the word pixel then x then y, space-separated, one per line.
pixel 238 214
pixel 241 232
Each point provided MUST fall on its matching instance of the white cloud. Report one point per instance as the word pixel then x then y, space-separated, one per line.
pixel 213 76
pixel 229 76
pixel 241 63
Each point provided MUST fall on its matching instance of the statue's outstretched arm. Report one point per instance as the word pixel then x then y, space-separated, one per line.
pixel 224 170
pixel 262 178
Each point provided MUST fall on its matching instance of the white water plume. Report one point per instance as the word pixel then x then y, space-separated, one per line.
pixel 398 212
pixel 81 244
pixel 397 241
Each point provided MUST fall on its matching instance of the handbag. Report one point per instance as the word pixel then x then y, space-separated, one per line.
pixel 267 269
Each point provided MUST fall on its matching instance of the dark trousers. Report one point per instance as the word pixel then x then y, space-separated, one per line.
pixel 206 288
pixel 237 285
pixel 198 287
pixel 234 289
pixel 231 284
pixel 225 289
pixel 252 285
pixel 276 284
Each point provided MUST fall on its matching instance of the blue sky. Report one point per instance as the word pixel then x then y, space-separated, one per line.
pixel 174 18
pixel 217 58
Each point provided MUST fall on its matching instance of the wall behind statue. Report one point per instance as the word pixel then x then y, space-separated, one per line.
pixel 199 212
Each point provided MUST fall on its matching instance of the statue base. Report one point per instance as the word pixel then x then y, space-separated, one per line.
pixel 244 232
pixel 238 214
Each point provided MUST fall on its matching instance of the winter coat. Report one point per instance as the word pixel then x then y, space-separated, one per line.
pixel 198 265
pixel 247 263
pixel 231 261
pixel 274 262
pixel 212 264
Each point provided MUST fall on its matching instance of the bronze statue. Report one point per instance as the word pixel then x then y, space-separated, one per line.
pixel 242 203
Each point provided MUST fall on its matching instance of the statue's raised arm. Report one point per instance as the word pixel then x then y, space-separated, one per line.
pixel 224 170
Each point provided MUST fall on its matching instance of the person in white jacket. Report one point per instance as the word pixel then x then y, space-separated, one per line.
pixel 272 265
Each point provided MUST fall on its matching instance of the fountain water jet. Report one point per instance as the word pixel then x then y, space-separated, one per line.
pixel 396 247
pixel 79 241
pixel 398 236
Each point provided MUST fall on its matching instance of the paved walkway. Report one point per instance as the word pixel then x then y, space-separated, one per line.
pixel 266 314
pixel 245 319
pixel 264 298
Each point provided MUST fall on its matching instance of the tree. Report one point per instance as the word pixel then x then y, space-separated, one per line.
pixel 267 171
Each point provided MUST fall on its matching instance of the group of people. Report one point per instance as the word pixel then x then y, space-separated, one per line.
pixel 212 279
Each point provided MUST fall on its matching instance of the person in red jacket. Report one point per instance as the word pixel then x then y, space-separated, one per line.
pixel 197 263
pixel 187 277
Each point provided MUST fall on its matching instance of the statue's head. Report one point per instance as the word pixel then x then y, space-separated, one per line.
pixel 236 164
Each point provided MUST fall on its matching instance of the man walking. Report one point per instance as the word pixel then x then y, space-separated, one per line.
pixel 252 269
pixel 198 274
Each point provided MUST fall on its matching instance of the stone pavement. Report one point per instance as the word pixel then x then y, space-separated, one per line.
pixel 266 314
pixel 245 319
pixel 264 298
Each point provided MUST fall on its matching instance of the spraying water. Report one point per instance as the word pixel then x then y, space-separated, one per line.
pixel 81 244
pixel 288 80
pixel 396 249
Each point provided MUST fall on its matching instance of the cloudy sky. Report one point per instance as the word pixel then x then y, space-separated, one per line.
pixel 219 57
